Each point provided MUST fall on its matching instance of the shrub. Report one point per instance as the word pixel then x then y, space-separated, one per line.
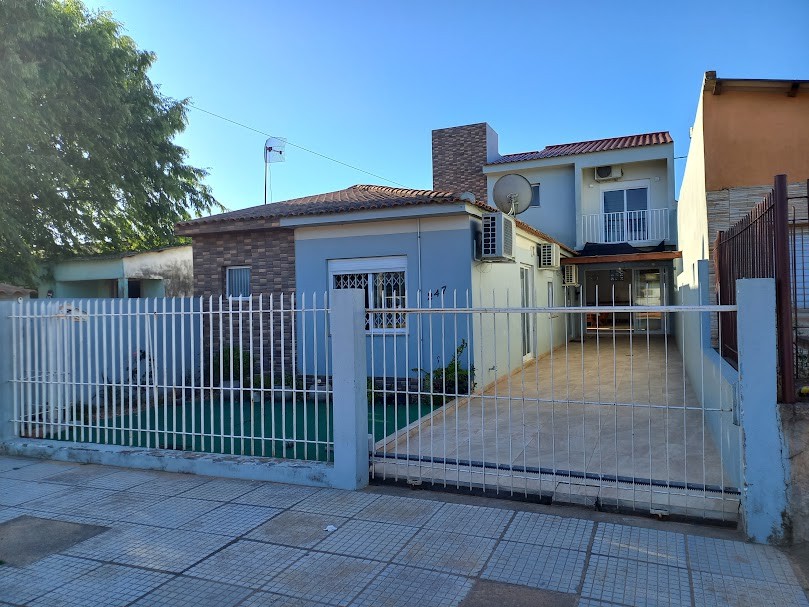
pixel 241 365
pixel 446 383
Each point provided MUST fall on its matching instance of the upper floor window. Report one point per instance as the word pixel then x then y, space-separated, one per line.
pixel 625 212
pixel 534 194
pixel 237 281
pixel 384 280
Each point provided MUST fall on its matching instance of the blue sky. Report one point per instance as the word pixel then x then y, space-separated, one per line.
pixel 367 82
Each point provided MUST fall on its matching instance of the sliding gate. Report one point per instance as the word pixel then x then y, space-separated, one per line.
pixel 617 420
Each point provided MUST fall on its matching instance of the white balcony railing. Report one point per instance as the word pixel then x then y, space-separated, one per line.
pixel 631 226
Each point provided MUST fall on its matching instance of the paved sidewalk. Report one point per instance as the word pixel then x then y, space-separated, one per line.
pixel 86 535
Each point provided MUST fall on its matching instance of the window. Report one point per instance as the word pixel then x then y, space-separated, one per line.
pixel 534 194
pixel 237 281
pixel 625 212
pixel 384 281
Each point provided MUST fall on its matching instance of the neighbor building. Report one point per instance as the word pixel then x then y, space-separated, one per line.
pixel 164 272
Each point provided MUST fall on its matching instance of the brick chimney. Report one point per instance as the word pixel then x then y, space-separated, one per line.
pixel 459 154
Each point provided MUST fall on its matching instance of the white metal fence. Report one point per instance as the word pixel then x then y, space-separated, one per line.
pixel 527 401
pixel 238 376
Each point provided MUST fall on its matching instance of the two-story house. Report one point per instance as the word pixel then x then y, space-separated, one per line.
pixel 423 248
pixel 611 200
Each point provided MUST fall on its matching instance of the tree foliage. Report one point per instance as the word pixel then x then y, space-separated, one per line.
pixel 87 158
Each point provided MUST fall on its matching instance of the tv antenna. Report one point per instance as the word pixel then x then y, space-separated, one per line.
pixel 273 152
pixel 512 194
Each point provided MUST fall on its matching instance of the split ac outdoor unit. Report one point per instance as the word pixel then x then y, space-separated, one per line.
pixel 498 237
pixel 571 276
pixel 607 172
pixel 549 255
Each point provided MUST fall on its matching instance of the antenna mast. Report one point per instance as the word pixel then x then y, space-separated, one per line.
pixel 273 152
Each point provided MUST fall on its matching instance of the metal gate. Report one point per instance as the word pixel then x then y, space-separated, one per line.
pixel 625 420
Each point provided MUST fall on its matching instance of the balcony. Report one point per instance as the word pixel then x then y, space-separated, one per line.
pixel 646 226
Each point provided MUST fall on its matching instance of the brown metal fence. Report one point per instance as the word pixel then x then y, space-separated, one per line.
pixel 758 246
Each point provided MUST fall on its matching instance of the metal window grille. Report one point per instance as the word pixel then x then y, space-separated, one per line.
pixel 384 291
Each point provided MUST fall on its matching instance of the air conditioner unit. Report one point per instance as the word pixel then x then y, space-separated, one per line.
pixel 607 172
pixel 549 255
pixel 571 276
pixel 498 237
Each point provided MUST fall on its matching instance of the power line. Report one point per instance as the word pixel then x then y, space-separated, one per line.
pixel 295 145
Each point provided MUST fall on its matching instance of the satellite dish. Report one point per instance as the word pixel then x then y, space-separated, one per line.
pixel 512 194
pixel 274 149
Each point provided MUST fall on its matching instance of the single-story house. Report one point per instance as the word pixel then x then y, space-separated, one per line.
pixel 406 248
pixel 163 272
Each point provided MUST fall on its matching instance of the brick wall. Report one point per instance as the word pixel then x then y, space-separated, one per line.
pixel 271 257
pixel 269 253
pixel 459 154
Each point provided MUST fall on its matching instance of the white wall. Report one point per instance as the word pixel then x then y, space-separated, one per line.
pixel 498 337
pixel 174 266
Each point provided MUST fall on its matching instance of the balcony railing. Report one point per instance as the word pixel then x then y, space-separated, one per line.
pixel 631 226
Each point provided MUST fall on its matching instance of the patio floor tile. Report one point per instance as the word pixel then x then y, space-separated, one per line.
pixel 400 586
pixel 231 519
pixel 711 590
pixel 366 539
pixel 399 510
pixel 739 559
pixel 547 530
pixel 328 578
pixel 447 552
pixel 276 495
pixel 336 501
pixel 649 545
pixel 299 529
pixel 172 512
pixel 542 567
pixel 23 584
pixel 476 520
pixel 106 586
pixel 190 592
pixel 626 582
pixel 222 489
pixel 246 563
pixel 14 492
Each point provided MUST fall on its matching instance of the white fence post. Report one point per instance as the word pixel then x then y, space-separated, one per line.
pixel 349 383
pixel 764 497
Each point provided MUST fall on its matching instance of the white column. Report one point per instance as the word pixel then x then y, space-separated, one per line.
pixel 764 496
pixel 6 370
pixel 349 383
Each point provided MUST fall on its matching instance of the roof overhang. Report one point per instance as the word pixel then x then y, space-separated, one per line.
pixel 717 86
pixel 626 258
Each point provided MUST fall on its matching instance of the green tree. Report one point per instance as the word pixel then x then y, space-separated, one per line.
pixel 87 158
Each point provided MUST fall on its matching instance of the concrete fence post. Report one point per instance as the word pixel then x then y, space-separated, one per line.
pixel 6 371
pixel 764 496
pixel 349 384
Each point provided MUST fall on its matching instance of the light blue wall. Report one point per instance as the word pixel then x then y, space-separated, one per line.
pixel 445 266
pixel 556 213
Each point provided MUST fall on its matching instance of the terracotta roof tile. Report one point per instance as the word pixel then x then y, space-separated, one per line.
pixel 585 147
pixel 355 198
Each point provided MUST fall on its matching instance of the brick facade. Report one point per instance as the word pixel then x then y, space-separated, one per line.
pixel 459 154
pixel 270 253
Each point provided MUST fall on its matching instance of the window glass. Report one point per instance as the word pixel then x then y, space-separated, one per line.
pixel 636 199
pixel 534 194
pixel 238 282
pixel 614 201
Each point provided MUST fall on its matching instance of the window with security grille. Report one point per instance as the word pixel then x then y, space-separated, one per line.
pixel 237 281
pixel 385 292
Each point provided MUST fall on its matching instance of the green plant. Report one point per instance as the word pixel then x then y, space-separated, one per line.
pixel 447 382
pixel 240 359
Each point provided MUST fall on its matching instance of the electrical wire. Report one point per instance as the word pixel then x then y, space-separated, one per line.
pixel 295 145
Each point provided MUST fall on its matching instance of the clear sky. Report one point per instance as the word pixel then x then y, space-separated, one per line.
pixel 366 82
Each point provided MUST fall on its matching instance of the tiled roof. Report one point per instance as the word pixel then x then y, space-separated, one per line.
pixel 585 147
pixel 13 290
pixel 355 198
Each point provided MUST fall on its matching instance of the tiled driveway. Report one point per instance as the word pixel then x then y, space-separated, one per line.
pixel 178 540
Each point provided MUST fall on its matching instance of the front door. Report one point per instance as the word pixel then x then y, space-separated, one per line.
pixel 649 291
